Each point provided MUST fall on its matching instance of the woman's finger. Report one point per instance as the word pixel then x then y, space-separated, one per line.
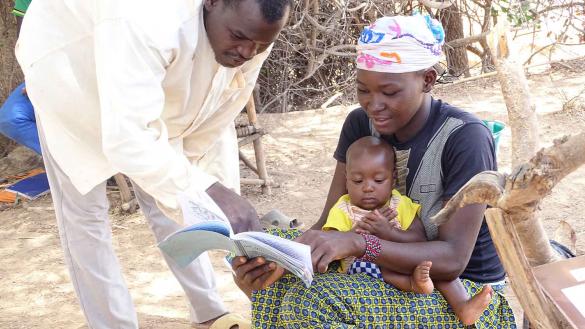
pixel 254 277
pixel 322 263
pixel 238 261
pixel 269 277
pixel 307 237
pixel 249 268
pixel 320 254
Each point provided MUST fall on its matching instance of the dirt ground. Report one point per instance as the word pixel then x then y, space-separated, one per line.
pixel 35 291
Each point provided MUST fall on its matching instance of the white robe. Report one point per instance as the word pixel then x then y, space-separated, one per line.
pixel 132 86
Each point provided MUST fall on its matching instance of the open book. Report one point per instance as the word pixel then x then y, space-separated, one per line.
pixel 212 231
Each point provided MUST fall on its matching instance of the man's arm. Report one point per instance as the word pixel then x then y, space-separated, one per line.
pixel 130 71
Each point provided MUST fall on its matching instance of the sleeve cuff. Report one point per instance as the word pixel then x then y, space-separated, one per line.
pixel 201 181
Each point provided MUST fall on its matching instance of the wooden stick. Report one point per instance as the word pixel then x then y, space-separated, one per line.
pixel 258 148
pixel 494 73
pixel 125 193
pixel 330 100
pixel 436 4
pixel 485 75
pixel 257 181
pixel 249 139
pixel 537 307
pixel 457 43
pixel 247 162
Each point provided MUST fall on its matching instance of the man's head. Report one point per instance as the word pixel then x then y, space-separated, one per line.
pixel 395 59
pixel 369 172
pixel 240 29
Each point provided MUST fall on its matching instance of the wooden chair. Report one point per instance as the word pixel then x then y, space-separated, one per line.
pixel 252 133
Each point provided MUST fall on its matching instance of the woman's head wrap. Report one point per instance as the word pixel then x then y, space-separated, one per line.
pixel 400 44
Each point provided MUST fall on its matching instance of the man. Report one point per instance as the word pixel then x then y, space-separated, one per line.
pixel 149 89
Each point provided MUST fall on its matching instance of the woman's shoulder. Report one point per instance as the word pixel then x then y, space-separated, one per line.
pixel 357 115
pixel 463 124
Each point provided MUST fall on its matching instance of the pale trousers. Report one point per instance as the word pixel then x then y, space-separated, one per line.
pixel 86 238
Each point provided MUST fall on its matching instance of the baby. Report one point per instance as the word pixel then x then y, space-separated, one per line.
pixel 373 207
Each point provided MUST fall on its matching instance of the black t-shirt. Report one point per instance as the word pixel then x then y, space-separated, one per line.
pixel 468 151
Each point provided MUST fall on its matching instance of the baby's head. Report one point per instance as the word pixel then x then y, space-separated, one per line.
pixel 369 172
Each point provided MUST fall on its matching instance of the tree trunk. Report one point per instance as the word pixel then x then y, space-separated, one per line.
pixel 487 62
pixel 10 74
pixel 521 110
pixel 457 60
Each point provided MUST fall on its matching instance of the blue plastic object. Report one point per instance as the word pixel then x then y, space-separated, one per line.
pixel 496 128
pixel 17 120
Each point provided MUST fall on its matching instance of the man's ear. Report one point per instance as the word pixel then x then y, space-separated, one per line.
pixel 429 79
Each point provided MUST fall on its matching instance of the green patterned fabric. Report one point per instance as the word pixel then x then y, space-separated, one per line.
pixel 339 300
pixel 20 7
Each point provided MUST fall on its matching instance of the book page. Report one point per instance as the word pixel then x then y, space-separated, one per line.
pixel 293 249
pixel 576 295
pixel 199 207
pixel 183 247
pixel 254 248
pixel 293 256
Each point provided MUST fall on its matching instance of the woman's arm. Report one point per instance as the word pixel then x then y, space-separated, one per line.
pixel 336 190
pixel 449 253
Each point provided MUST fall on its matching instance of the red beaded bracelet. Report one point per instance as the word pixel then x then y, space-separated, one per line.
pixel 373 248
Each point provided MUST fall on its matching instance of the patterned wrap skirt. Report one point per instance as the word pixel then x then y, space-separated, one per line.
pixel 339 300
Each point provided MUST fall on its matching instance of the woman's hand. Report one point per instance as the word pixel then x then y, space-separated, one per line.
pixel 255 274
pixel 330 246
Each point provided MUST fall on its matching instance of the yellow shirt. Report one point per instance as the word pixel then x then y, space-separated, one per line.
pixel 343 214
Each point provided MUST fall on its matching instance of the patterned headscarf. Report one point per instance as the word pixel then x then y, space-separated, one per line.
pixel 400 44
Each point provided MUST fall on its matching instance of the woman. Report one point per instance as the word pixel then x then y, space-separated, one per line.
pixel 439 148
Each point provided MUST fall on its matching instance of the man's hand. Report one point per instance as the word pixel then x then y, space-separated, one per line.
pixel 237 209
pixel 378 223
pixel 255 274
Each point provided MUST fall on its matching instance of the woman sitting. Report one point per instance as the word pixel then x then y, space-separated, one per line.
pixel 438 149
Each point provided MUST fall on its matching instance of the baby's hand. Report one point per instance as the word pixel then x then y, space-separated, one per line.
pixel 389 213
pixel 377 224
